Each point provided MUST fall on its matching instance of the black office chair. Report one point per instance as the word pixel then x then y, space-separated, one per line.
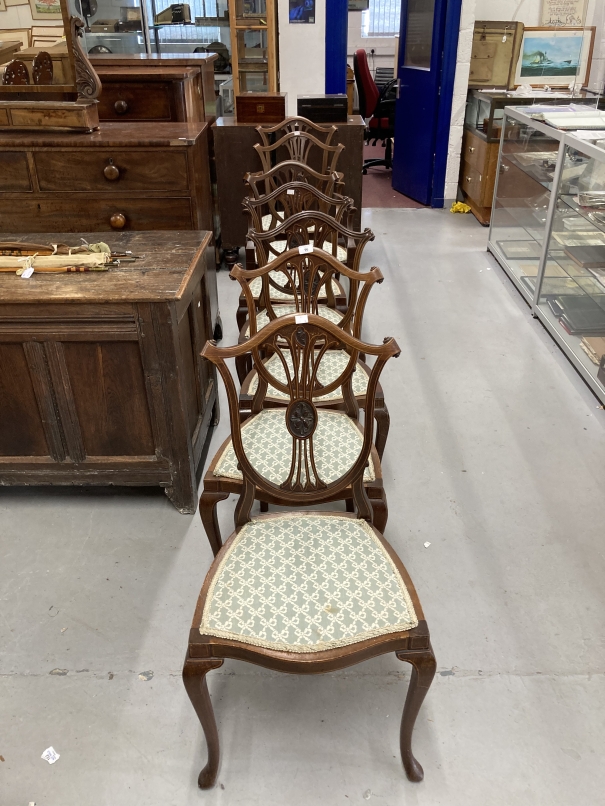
pixel 378 106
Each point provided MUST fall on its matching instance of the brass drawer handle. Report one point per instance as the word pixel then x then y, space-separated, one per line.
pixel 111 172
pixel 117 221
pixel 121 107
pixel 469 178
pixel 471 149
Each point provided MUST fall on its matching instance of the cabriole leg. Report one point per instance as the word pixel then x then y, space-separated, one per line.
pixel 423 671
pixel 194 678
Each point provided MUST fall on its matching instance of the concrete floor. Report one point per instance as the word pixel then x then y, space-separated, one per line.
pixel 496 457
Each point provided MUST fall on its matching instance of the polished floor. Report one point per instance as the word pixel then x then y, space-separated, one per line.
pixel 496 457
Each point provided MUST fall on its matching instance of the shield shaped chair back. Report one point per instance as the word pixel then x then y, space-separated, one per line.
pixel 304 281
pixel 300 147
pixel 302 229
pixel 262 183
pixel 269 134
pixel 269 211
pixel 301 346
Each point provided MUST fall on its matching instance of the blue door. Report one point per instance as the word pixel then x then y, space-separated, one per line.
pixel 425 72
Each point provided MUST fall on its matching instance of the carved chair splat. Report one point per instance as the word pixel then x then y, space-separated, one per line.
pixel 262 183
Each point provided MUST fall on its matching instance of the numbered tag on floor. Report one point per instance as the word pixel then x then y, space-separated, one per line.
pixel 306 249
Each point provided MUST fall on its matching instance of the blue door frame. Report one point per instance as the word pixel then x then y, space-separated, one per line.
pixel 337 13
pixel 424 108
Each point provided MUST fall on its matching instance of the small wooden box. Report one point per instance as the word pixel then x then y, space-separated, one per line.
pixel 260 107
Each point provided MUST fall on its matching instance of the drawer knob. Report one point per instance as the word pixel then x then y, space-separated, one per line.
pixel 118 221
pixel 111 172
pixel 469 178
pixel 121 107
pixel 471 149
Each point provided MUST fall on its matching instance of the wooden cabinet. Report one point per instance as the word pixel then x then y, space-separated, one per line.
pixel 123 176
pixel 478 166
pixel 235 156
pixel 101 379
pixel 130 79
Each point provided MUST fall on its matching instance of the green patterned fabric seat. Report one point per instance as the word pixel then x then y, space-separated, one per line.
pixel 262 317
pixel 303 582
pixel 332 364
pixel 268 446
pixel 256 286
pixel 280 246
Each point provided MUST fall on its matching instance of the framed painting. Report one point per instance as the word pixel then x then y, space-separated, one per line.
pixel 46 9
pixel 2 5
pixel 22 35
pixel 555 57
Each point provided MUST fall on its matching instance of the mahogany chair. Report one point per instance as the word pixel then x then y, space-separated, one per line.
pixel 333 362
pixel 271 210
pixel 305 283
pixel 299 146
pixel 269 134
pixel 305 592
pixel 262 183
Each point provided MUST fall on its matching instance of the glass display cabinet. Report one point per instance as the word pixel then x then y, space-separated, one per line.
pixel 253 45
pixel 159 26
pixel 548 232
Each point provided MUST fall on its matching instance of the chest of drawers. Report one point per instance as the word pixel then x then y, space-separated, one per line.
pixel 121 177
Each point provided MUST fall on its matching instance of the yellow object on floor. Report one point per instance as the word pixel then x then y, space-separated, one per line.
pixel 460 207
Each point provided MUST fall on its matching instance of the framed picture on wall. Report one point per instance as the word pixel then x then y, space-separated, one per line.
pixel 22 35
pixel 301 11
pixel 2 5
pixel 46 9
pixel 555 57
pixel 563 12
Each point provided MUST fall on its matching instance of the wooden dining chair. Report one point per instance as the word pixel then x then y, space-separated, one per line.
pixel 352 307
pixel 262 183
pixel 305 592
pixel 308 227
pixel 269 134
pixel 267 212
pixel 300 147
pixel 305 283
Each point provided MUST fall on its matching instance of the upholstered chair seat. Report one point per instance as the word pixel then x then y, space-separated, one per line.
pixel 330 582
pixel 256 287
pixel 262 318
pixel 268 446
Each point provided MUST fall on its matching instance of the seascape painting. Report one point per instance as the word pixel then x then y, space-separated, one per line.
pixel 556 56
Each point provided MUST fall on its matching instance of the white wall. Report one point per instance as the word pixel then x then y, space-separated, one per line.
pixel 302 55
pixel 463 66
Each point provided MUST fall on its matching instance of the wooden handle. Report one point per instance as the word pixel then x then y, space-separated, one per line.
pixel 118 221
pixel 121 107
pixel 111 172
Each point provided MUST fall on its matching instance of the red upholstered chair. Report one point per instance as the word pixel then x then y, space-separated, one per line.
pixel 375 105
